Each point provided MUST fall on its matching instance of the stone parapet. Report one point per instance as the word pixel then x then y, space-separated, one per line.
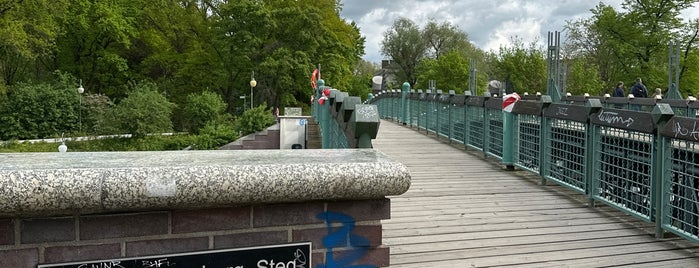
pixel 54 184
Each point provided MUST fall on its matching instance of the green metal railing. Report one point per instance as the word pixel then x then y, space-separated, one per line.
pixel 640 156
pixel 344 121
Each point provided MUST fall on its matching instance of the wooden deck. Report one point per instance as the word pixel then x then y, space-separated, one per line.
pixel 464 210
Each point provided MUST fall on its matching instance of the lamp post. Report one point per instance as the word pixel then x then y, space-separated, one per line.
pixel 253 83
pixel 245 103
pixel 80 107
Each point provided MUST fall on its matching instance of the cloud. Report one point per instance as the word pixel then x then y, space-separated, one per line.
pixel 489 24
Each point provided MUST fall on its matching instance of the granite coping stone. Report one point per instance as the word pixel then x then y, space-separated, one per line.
pixel 52 184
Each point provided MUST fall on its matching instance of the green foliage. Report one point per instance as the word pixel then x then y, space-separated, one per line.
pixel 202 109
pixel 143 112
pixel 254 120
pixel 403 43
pixel 583 77
pixel 214 135
pixel 38 111
pixel 633 42
pixel 450 72
pixel 524 67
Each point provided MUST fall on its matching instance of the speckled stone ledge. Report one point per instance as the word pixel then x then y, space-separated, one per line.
pixel 51 184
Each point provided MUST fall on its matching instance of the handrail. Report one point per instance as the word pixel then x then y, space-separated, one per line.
pixel 344 121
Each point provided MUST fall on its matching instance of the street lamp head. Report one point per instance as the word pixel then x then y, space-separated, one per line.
pixel 81 89
pixel 253 83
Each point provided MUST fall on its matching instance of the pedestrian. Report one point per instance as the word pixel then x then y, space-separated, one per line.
pixel 276 114
pixel 658 93
pixel 619 90
pixel 639 89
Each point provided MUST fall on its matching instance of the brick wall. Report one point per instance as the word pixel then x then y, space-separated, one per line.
pixel 27 242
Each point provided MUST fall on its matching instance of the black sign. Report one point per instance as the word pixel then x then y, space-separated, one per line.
pixel 277 256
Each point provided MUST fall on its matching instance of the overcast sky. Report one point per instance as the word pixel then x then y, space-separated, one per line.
pixel 488 23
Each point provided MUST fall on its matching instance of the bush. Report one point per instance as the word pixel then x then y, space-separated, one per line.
pixel 215 135
pixel 201 110
pixel 254 120
pixel 143 112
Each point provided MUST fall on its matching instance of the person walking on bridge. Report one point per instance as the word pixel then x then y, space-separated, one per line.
pixel 619 90
pixel 639 89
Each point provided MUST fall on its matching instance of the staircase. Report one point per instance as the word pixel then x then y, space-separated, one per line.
pixel 263 140
pixel 314 139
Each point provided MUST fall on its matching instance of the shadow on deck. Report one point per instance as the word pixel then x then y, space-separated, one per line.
pixel 465 210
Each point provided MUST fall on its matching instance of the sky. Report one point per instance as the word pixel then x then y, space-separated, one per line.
pixel 488 23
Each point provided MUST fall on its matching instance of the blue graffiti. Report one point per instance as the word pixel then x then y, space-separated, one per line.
pixel 342 236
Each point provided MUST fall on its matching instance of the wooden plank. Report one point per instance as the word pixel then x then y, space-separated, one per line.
pixel 465 210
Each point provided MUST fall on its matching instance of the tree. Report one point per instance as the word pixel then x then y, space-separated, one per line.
pixel 27 36
pixel 523 67
pixel 143 112
pixel 633 42
pixel 443 38
pixel 403 43
pixel 450 72
pixel 361 82
pixel 583 77
pixel 202 109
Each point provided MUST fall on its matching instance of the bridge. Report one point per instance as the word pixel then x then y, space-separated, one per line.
pixel 581 182
pixel 465 210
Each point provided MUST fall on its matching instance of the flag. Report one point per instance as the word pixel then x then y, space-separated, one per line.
pixel 508 101
pixel 314 78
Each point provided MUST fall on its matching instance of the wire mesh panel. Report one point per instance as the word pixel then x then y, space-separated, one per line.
pixel 494 132
pixel 424 109
pixel 443 123
pixel 564 153
pixel 623 168
pixel 474 119
pixel 680 177
pixel 432 116
pixel 414 112
pixel 527 141
pixel 458 126
pixel 338 139
pixel 681 190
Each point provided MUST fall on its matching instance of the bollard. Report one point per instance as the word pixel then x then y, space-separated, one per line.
pixel 404 102
pixel 365 124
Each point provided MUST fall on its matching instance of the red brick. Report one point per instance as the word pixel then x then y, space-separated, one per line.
pixel 363 210
pixel 379 257
pixel 188 221
pixel 287 214
pixel 250 239
pixel 318 257
pixel 369 233
pixel 166 246
pixel 7 232
pixel 21 258
pixel 123 225
pixel 82 253
pixel 47 230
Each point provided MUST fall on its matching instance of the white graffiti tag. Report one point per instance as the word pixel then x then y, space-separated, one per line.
pixel 614 118
pixel 679 130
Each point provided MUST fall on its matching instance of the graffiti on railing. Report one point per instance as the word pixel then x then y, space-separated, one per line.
pixel 342 236
pixel 562 111
pixel 613 118
pixel 683 131
pixel 367 111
